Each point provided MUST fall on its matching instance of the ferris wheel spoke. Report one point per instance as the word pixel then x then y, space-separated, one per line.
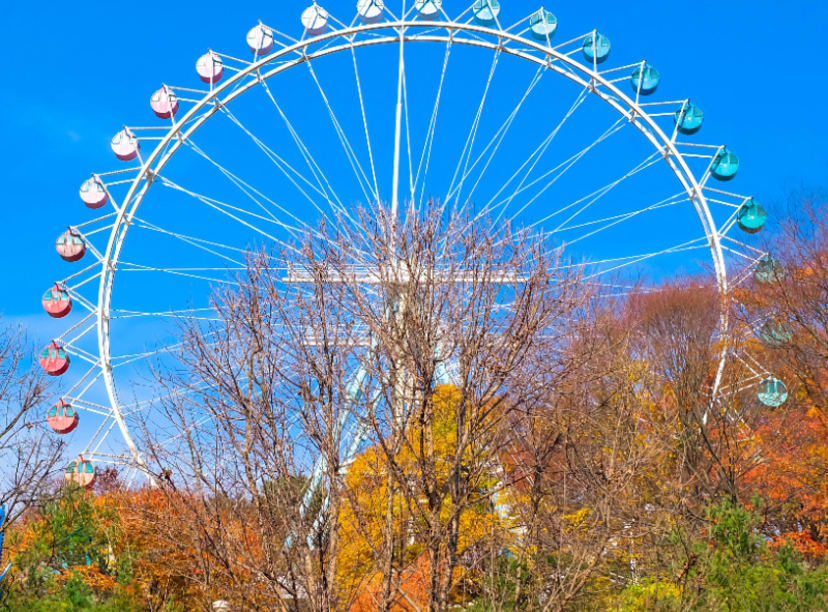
pixel 225 208
pixel 79 326
pixel 465 155
pixel 135 267
pixel 87 379
pixel 365 124
pixel 122 360
pixel 630 260
pixel 104 435
pixel 83 301
pixel 82 354
pixel 599 193
pixel 531 162
pixel 498 137
pixel 359 173
pixel 88 279
pixel 188 313
pixel 101 428
pixel 291 173
pixel 199 243
pixel 319 174
pixel 140 405
pixel 613 220
pixel 744 251
pixel 249 190
pixel 408 147
pixel 557 172
pixel 425 156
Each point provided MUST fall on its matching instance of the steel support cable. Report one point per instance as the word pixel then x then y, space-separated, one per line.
pixel 600 193
pixel 365 125
pixel 533 160
pixel 566 165
pixel 469 145
pixel 221 207
pixel 359 173
pixel 278 161
pixel 432 124
pixel 314 167
pixel 500 135
pixel 246 188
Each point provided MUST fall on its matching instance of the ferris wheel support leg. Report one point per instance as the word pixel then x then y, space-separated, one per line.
pixel 354 392
pixel 2 536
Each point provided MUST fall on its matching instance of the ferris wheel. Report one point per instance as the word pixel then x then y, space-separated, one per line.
pixel 394 101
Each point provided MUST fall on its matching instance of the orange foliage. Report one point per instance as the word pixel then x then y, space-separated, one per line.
pixel 412 590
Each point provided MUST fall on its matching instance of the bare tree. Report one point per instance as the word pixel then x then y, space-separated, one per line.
pixel 484 310
pixel 346 342
pixel 28 454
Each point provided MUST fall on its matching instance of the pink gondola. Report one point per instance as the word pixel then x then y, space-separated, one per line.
pixel 81 472
pixel 70 246
pixel 125 145
pixel 56 302
pixel 93 193
pixel 62 418
pixel 209 67
pixel 54 359
pixel 164 103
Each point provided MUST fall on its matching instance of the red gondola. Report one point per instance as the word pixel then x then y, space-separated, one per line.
pixel 57 302
pixel 62 418
pixel 81 472
pixel 70 246
pixel 54 359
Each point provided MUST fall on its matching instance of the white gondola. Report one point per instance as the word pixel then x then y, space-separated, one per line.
pixel 315 20
pixel 210 67
pixel 260 40
pixel 370 11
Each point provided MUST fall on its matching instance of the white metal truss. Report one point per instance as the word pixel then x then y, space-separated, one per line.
pixel 653 120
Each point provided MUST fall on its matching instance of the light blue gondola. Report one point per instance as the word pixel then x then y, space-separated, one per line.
pixel 486 11
pixel 768 270
pixel 751 216
pixel 689 119
pixel 596 47
pixel 428 9
pixel 725 165
pixel 543 24
pixel 772 392
pixel 775 334
pixel 645 79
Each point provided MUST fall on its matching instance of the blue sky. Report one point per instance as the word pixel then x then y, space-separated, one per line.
pixel 75 73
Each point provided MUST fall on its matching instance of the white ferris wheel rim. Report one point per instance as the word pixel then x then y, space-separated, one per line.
pixel 588 77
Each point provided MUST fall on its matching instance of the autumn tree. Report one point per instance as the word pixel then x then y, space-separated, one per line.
pixel 788 320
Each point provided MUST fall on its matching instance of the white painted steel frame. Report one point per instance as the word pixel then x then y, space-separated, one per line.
pixel 588 77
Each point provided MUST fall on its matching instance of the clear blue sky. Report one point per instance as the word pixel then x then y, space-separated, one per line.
pixel 74 73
